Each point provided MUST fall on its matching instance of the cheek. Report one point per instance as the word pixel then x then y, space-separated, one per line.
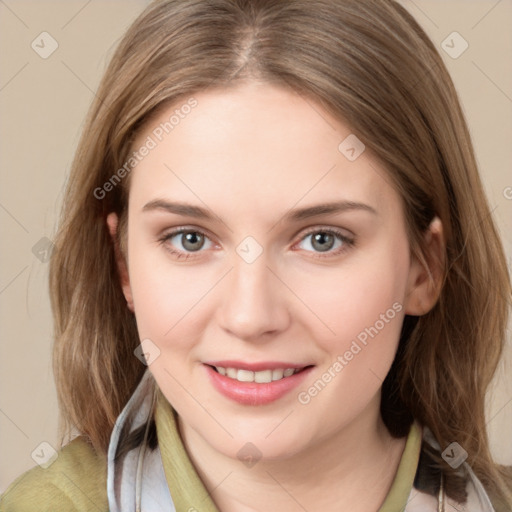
pixel 352 298
pixel 166 296
pixel 362 313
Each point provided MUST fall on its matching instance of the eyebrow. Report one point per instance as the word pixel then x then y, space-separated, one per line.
pixel 293 215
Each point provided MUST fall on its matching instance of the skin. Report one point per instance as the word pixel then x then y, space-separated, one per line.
pixel 250 154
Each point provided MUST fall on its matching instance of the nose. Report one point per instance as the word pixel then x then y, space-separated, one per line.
pixel 254 303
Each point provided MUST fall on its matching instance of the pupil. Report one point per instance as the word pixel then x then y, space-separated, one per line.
pixel 322 237
pixel 194 239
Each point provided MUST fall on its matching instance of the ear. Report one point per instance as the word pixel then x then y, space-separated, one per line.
pixel 122 267
pixel 426 273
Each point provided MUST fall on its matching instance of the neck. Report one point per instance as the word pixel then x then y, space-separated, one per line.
pixel 350 470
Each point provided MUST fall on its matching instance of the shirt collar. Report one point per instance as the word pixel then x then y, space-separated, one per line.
pixel 189 493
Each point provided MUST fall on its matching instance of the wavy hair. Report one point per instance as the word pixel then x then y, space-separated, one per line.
pixel 370 64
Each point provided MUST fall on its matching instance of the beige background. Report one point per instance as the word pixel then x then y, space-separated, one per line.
pixel 43 103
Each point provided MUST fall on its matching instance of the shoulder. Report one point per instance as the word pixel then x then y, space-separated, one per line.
pixel 497 501
pixel 467 490
pixel 76 481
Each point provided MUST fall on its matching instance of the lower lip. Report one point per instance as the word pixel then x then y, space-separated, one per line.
pixel 252 393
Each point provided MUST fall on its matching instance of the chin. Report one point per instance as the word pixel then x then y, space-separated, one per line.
pixel 258 444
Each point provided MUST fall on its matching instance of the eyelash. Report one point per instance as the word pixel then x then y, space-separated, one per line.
pixel 347 241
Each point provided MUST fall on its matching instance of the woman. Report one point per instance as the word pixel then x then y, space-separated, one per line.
pixel 276 284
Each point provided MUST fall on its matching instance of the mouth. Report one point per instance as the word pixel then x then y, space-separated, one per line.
pixel 257 383
pixel 260 377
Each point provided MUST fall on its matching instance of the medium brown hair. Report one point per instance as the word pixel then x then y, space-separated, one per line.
pixel 370 64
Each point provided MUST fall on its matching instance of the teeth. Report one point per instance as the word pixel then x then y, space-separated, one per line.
pixel 277 374
pixel 262 377
pixel 245 376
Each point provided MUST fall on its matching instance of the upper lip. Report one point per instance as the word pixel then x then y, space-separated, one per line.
pixel 256 366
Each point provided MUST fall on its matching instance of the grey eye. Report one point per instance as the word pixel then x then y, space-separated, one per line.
pixel 191 241
pixel 322 241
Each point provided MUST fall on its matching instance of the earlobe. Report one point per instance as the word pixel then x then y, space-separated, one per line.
pixel 426 273
pixel 122 267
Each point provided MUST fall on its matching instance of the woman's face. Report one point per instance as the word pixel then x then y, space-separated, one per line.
pixel 294 260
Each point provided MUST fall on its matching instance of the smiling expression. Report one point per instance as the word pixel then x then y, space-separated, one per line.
pixel 257 253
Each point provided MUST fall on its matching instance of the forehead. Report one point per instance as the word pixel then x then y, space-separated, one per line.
pixel 254 141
